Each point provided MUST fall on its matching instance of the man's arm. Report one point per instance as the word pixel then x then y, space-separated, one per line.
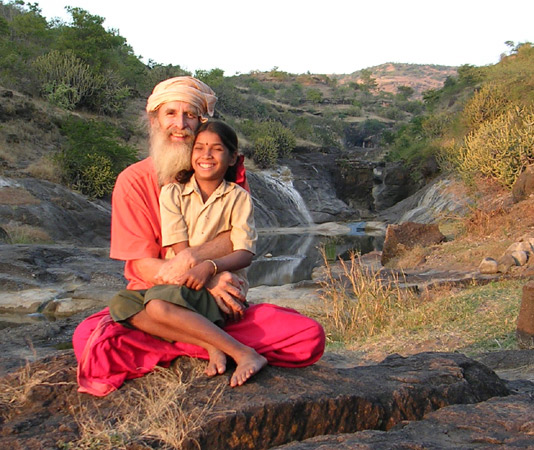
pixel 160 271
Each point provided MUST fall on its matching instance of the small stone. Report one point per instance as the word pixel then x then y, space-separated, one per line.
pixel 505 263
pixel 488 266
pixel 521 257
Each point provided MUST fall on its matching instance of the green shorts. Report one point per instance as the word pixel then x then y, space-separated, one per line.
pixel 128 303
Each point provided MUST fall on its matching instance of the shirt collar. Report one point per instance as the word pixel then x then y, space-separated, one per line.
pixel 223 188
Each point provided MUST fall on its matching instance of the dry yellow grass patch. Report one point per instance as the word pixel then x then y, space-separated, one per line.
pixel 156 410
pixel 14 196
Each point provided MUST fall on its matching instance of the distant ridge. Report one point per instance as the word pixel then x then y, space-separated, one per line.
pixel 389 76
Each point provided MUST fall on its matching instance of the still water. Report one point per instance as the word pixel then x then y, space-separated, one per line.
pixel 289 255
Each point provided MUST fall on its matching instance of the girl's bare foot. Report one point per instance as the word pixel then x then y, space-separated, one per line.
pixel 217 363
pixel 247 366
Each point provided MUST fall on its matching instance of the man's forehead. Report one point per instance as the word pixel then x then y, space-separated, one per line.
pixel 179 106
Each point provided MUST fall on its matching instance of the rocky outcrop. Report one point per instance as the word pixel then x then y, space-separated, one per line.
pixel 277 406
pixel 64 215
pixel 439 199
pixel 406 236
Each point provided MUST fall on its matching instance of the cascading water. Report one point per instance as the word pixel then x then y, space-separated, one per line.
pixel 277 202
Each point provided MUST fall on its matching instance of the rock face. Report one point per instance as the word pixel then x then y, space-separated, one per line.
pixel 276 407
pixel 497 423
pixel 318 178
pixel 437 199
pixel 407 235
pixel 393 184
pixel 65 215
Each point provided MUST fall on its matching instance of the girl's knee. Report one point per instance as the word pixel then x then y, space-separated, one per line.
pixel 158 308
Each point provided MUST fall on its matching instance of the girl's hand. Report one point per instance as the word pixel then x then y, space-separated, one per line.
pixel 196 277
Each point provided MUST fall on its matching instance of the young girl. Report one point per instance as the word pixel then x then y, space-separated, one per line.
pixel 204 203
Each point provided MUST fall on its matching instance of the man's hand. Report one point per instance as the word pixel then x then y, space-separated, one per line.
pixel 172 269
pixel 227 291
pixel 196 277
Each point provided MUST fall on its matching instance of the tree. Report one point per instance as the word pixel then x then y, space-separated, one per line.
pixel 368 82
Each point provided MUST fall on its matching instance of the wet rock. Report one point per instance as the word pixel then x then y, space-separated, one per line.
pixel 57 280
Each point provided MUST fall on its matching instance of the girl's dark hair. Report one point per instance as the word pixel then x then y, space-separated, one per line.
pixel 229 139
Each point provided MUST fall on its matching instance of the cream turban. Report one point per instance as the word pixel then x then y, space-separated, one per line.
pixel 183 89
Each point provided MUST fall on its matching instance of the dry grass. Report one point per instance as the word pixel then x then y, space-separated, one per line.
pixel 154 411
pixel 45 169
pixel 15 391
pixel 472 320
pixel 27 234
pixel 366 311
pixel 360 301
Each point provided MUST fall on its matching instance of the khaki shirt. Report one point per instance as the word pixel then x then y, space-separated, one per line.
pixel 185 217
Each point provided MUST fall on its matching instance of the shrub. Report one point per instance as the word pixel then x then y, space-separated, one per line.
pixel 272 141
pixel 265 151
pixel 93 157
pixel 486 105
pixel 499 149
pixel 65 79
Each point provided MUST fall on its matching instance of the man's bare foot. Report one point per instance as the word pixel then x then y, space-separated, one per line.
pixel 217 363
pixel 247 366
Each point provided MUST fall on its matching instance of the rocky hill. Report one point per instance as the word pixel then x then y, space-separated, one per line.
pixel 390 76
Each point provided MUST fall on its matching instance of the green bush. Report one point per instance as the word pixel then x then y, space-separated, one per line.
pixel 65 79
pixel 272 141
pixel 265 151
pixel 499 149
pixel 93 156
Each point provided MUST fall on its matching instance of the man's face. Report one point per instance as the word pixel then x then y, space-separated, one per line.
pixel 179 121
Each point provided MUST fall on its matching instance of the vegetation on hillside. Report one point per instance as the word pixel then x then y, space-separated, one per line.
pixel 80 67
pixel 481 123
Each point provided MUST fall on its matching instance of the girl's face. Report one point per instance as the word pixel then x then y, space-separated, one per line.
pixel 210 158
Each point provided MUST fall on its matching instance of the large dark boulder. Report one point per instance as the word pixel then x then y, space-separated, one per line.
pixel 405 236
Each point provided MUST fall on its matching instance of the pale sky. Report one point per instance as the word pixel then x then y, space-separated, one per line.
pixel 322 37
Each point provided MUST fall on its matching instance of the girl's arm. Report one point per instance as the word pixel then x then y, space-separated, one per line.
pixel 197 277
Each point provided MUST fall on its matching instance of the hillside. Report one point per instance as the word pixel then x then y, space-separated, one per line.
pixel 390 76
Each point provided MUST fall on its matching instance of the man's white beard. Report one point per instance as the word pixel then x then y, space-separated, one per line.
pixel 169 157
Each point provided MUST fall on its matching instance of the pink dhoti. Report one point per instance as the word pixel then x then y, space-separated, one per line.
pixel 109 353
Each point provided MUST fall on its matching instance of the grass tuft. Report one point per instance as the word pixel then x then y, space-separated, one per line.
pixel 153 412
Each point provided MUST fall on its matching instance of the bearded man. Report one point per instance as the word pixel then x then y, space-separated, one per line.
pixel 129 339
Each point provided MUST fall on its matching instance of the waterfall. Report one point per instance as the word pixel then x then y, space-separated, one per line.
pixel 275 196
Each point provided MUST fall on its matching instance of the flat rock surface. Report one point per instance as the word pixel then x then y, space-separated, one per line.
pixel 276 407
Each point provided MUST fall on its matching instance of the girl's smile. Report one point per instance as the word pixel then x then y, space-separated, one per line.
pixel 210 159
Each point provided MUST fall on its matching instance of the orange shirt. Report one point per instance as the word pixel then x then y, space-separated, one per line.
pixel 135 219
